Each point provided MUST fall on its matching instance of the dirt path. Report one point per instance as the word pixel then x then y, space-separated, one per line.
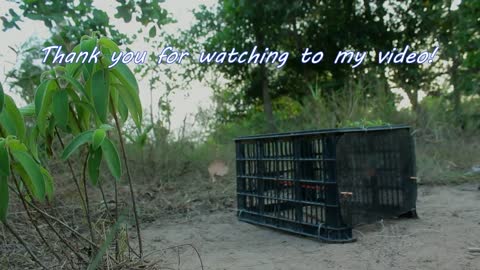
pixel 449 223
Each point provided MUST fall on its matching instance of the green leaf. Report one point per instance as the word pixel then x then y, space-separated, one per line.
pixel 107 43
pixel 49 186
pixel 33 171
pixel 122 110
pixel 76 142
pixel 15 145
pixel 88 45
pixel 2 98
pixel 76 85
pixel 26 182
pixel 153 32
pixel 98 137
pixel 32 138
pixel 107 47
pixel 45 106
pixel 84 111
pixel 60 108
pixel 3 197
pixel 112 158
pixel 4 159
pixel 106 127
pixel 28 110
pixel 132 102
pixel 100 93
pixel 125 76
pixel 12 120
pixel 94 161
pixel 73 68
pixel 39 94
pixel 128 92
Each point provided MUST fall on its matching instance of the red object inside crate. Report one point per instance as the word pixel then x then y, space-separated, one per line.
pixel 306 186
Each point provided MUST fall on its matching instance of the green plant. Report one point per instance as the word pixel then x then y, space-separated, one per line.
pixel 364 123
pixel 79 100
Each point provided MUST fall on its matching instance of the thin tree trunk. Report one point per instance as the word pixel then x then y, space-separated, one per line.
pixel 457 93
pixel 413 98
pixel 267 101
pixel 263 77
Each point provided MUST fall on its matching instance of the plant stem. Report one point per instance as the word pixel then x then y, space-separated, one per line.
pixel 89 220
pixel 74 177
pixel 104 198
pixel 117 249
pixel 129 177
pixel 30 217
pixel 50 224
pixel 14 233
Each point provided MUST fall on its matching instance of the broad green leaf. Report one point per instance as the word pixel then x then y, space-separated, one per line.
pixel 125 76
pixel 33 171
pixel 28 110
pixel 113 98
pixel 49 186
pixel 3 197
pixel 107 43
pixel 84 111
pixel 72 68
pixel 76 85
pixel 26 181
pixel 77 142
pixel 94 161
pixel 73 124
pixel 85 106
pixel 39 94
pixel 98 137
pixel 106 127
pixel 46 106
pixel 73 96
pixel 112 158
pixel 107 47
pixel 107 56
pixel 122 110
pixel 85 75
pixel 88 45
pixel 15 145
pixel 132 102
pixel 60 107
pixel 12 120
pixel 4 159
pixel 2 98
pixel 100 93
pixel 32 138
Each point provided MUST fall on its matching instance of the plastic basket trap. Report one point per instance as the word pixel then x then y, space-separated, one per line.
pixel 322 183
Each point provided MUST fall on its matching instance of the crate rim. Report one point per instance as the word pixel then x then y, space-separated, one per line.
pixel 320 131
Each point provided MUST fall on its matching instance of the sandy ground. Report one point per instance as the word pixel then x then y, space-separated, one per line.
pixel 449 224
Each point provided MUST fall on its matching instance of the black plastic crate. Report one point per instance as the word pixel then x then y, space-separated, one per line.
pixel 321 183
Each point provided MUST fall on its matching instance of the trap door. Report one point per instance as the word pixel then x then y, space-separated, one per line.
pixel 377 168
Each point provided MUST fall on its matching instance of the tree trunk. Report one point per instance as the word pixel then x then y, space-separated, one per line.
pixel 413 97
pixel 267 101
pixel 457 94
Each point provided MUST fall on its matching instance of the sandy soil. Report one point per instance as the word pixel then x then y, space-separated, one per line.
pixel 449 224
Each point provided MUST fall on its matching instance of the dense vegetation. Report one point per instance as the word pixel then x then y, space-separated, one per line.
pixel 85 113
